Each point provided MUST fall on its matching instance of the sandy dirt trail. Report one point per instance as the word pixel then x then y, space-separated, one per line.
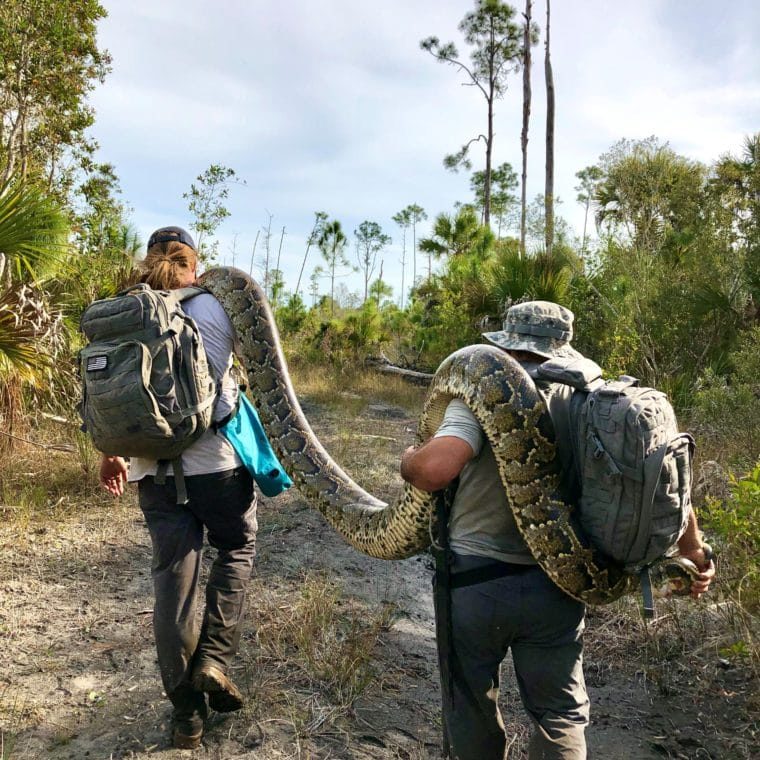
pixel 78 677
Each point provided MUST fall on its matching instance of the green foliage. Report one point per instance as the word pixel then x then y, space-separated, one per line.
pixel 345 339
pixel 669 292
pixel 648 193
pixel 332 245
pixel 440 322
pixel 726 409
pixel 33 232
pixel 206 203
pixel 735 521
pixel 33 248
pixel 370 241
pixel 496 43
pixel 107 246
pixel 586 190
pixel 49 62
pixel 459 234
pixel 291 316
pixel 511 277
pixel 503 184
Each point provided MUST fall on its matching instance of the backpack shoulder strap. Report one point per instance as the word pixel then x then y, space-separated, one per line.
pixel 184 294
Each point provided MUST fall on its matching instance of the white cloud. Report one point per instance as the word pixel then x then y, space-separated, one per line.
pixel 333 106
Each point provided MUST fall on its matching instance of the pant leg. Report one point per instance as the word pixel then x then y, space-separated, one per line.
pixel 480 638
pixel 177 537
pixel 226 503
pixel 548 659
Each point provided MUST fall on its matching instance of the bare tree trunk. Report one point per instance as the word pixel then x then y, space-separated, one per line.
pixel 414 251
pixel 489 139
pixel 528 15
pixel 549 194
pixel 253 253
pixel 267 242
pixel 305 256
pixel 332 284
pixel 585 225
pixel 487 181
pixel 10 152
pixel 403 264
pixel 279 250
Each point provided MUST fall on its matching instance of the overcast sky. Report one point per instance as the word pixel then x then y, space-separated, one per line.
pixel 331 105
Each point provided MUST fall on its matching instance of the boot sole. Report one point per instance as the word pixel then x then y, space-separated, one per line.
pixel 223 695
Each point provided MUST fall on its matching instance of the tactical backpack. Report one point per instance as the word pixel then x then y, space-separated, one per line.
pixel 634 466
pixel 147 387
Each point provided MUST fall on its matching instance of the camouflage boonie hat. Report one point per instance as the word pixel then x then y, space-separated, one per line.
pixel 541 327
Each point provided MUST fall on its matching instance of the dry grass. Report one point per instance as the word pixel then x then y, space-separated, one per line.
pixel 319 640
pixel 320 384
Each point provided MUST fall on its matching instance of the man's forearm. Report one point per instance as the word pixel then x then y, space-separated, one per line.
pixel 691 538
pixel 436 463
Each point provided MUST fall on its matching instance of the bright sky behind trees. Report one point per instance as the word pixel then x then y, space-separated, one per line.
pixel 332 106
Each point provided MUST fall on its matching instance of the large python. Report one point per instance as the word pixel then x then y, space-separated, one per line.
pixel 504 400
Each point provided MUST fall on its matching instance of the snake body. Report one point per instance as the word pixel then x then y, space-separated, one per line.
pixel 502 397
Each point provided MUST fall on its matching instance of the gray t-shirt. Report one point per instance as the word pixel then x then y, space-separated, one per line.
pixel 481 522
pixel 211 452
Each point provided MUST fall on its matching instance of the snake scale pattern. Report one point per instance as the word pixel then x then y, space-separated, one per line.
pixel 503 398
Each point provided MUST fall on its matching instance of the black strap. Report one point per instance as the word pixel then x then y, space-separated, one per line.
pixel 646 593
pixel 215 426
pixel 487 573
pixel 442 601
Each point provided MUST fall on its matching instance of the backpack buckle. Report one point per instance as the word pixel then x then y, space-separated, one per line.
pixel 601 453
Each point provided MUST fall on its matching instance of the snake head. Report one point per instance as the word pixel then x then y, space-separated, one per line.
pixel 673 576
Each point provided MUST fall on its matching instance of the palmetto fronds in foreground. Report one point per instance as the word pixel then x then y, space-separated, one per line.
pixel 33 232
pixel 30 332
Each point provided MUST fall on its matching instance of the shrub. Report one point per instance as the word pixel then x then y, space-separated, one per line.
pixel 735 522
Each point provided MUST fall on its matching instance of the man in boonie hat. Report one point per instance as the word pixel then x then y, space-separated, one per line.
pixel 500 597
pixel 542 328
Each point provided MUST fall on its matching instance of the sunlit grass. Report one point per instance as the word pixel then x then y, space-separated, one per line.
pixel 353 390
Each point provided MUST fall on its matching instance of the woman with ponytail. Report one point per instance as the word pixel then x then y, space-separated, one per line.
pixel 194 662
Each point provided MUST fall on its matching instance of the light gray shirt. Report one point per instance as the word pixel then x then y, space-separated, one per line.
pixel 211 452
pixel 481 522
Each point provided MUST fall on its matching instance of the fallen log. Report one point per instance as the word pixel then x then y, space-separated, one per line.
pixel 382 364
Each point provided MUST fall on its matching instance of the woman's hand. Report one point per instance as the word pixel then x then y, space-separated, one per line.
pixel 113 474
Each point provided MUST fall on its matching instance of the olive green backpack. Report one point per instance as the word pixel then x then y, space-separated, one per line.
pixel 147 389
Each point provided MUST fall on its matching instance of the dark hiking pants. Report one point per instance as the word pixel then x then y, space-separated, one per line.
pixel 543 627
pixel 225 504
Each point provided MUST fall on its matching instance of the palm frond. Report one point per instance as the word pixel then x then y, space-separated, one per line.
pixel 33 232
pixel 27 328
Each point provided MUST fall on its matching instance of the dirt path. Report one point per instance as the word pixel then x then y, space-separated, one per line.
pixel 78 677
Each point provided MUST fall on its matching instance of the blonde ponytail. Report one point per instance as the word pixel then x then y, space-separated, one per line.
pixel 166 265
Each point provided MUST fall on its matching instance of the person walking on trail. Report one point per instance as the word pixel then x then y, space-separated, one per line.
pixel 220 497
pixel 499 598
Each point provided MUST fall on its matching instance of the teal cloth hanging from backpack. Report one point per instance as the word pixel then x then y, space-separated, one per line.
pixel 246 434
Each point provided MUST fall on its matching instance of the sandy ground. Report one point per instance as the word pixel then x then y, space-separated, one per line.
pixel 78 677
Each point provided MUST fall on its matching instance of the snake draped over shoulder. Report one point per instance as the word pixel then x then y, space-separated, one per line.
pixel 502 397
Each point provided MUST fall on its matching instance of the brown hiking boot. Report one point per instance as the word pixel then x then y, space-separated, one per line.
pixel 183 738
pixel 223 695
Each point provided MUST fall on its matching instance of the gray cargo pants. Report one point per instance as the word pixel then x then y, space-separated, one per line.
pixel 543 627
pixel 225 503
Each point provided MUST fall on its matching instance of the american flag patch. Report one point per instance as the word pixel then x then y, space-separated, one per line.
pixel 95 363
